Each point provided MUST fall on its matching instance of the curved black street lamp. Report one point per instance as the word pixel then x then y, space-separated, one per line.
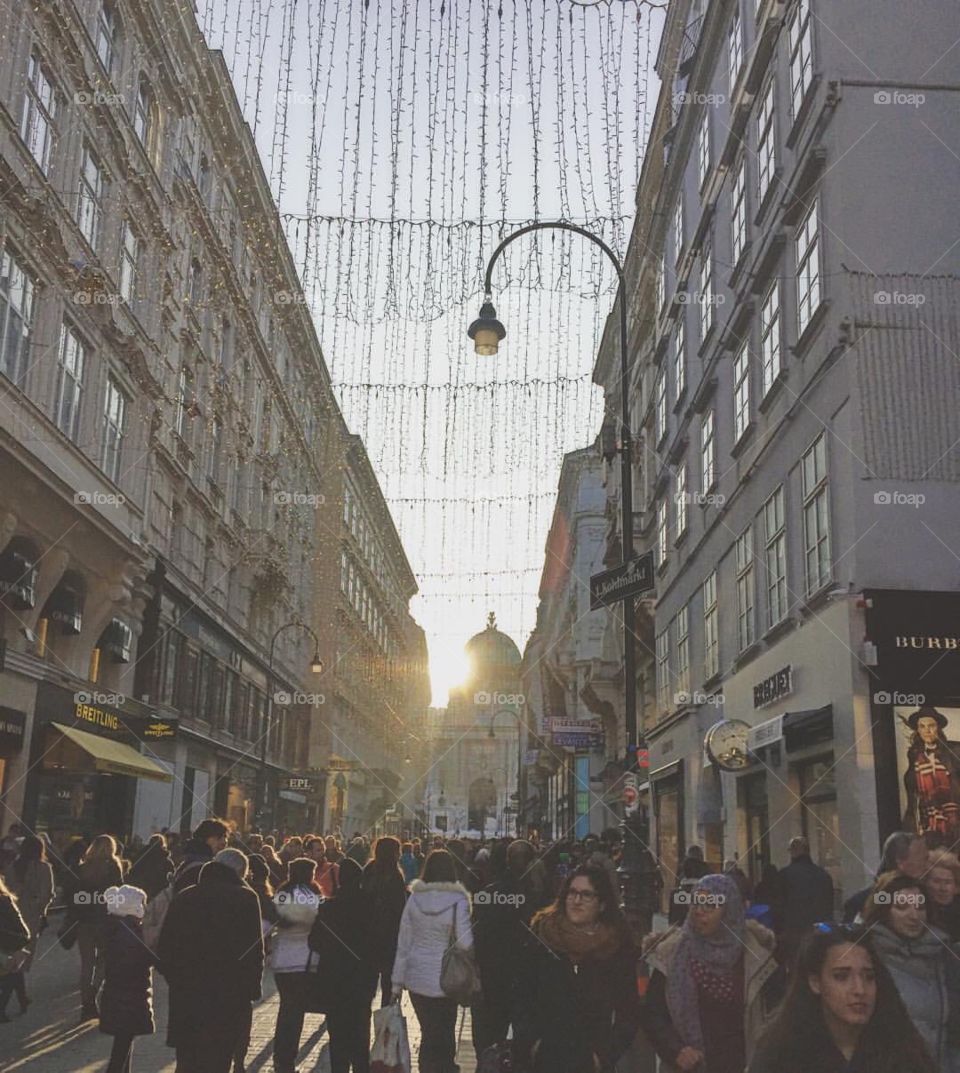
pixel 316 667
pixel 487 332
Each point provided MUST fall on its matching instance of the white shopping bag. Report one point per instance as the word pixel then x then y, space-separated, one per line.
pixel 391 1048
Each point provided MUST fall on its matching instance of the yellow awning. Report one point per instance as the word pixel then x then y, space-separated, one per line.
pixel 113 757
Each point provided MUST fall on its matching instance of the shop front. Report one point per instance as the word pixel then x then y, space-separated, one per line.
pixel 12 729
pixel 87 752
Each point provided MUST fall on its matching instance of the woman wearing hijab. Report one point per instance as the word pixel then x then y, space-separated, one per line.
pixel 707 1004
pixel 577 1005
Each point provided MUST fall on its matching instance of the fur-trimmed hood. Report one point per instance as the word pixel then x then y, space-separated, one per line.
pixel 434 898
pixel 659 948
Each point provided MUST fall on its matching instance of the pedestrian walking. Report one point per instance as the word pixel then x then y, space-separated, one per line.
pixel 205 843
pixel 577 1006
pixel 99 869
pixel 386 893
pixel 918 958
pixel 943 886
pixel 341 939
pixel 692 869
pixel 334 854
pixel 297 902
pixel 126 1003
pixel 14 939
pixel 731 868
pixel 153 868
pixel 767 891
pixel 842 1013
pixel 29 877
pixel 409 863
pixel 359 849
pixel 904 852
pixel 259 882
pixel 437 911
pixel 805 898
pixel 711 991
pixel 211 953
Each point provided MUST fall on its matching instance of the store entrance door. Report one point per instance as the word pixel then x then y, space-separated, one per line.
pixel 753 801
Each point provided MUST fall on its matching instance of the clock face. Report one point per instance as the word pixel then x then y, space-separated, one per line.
pixel 726 744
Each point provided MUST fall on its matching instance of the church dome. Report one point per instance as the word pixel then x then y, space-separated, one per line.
pixel 491 649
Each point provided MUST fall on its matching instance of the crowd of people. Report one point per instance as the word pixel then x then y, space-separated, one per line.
pixel 532 938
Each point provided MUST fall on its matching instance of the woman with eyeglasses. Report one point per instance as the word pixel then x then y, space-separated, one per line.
pixel 919 958
pixel 713 986
pixel 577 1004
pixel 842 1013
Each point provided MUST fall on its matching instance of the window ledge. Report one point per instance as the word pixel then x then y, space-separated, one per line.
pixel 747 655
pixel 713 680
pixel 806 106
pixel 817 599
pixel 806 337
pixel 769 194
pixel 784 626
pixel 739 269
pixel 708 335
pixel 744 441
pixel 773 391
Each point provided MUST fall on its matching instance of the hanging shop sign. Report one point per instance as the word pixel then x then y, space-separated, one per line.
pixel 568 740
pixel 774 688
pixel 300 784
pixel 12 728
pixel 622 582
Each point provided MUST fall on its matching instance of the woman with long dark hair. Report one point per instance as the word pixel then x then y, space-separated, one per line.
pixel 30 878
pixel 100 868
pixel 386 893
pixel 578 1009
pixel 842 1013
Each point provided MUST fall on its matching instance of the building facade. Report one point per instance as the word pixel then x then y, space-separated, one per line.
pixel 168 429
pixel 794 322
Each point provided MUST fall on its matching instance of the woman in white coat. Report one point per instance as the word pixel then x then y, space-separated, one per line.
pixel 297 902
pixel 437 910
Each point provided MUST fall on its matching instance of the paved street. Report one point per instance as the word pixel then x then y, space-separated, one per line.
pixel 47 1038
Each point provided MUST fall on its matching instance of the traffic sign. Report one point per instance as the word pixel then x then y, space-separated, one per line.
pixel 622 582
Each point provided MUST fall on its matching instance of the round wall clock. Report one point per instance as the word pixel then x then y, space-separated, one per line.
pixel 726 744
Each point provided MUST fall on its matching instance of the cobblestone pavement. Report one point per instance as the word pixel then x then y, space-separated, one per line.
pixel 47 1038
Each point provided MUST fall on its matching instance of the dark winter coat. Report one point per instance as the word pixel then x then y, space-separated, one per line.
pixel 386 895
pixel 211 953
pixel 576 1011
pixel 501 915
pixel 152 870
pixel 14 933
pixel 126 1002
pixel 342 941
pixel 194 851
pixel 93 878
pixel 806 896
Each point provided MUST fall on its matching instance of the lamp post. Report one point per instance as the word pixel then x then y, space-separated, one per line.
pixel 520 729
pixel 316 666
pixel 487 332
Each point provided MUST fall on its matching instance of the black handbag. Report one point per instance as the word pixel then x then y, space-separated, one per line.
pixel 317 987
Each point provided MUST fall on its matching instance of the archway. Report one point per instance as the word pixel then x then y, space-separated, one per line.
pixel 481 803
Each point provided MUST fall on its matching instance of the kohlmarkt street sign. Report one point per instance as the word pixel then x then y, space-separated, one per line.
pixel 622 582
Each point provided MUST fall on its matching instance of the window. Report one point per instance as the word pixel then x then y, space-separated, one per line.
pixel 801 56
pixel 203 180
pixel 16 316
pixel 703 147
pixel 184 401
pixel 741 392
pixel 39 113
pixel 70 369
pixel 808 267
pixel 735 46
pixel 663 670
pixel 114 417
pixel 129 253
pixel 770 337
pixel 711 633
pixel 678 230
pixel 196 282
pixel 766 143
pixel 660 407
pixel 226 343
pixel 738 211
pixel 682 678
pixel 90 199
pixel 745 590
pixel 107 36
pixel 661 532
pixel 679 356
pixel 708 454
pixel 816 516
pixel 706 291
pixel 682 495
pixel 143 113
pixel 215 451
pixel 661 284
pixel 775 536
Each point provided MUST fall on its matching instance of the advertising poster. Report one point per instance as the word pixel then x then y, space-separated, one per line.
pixel 928 770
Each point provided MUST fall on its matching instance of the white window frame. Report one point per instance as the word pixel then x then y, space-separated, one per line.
pixel 735 46
pixel 741 391
pixel 706 290
pixel 107 29
pixel 678 229
pixel 90 196
pixel 71 367
pixel 661 532
pixel 660 407
pixel 775 557
pixel 738 211
pixel 682 496
pixel 17 292
pixel 185 396
pixel 771 351
pixel 680 355
pixel 663 670
pixel 800 37
pixel 711 630
pixel 708 451
pixel 40 105
pixel 703 147
pixel 129 258
pixel 114 428
pixel 807 247
pixel 766 141
pixel 818 569
pixel 682 625
pixel 143 112
pixel 661 284
pixel 746 590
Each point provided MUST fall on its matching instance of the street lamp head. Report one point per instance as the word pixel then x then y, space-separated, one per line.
pixel 486 331
pixel 316 664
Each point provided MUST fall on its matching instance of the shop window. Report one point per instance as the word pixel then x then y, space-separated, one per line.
pixel 821 821
pixel 670 848
pixel 752 792
pixel 116 642
pixel 64 607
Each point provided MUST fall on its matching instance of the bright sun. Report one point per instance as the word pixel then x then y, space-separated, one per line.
pixel 448 667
